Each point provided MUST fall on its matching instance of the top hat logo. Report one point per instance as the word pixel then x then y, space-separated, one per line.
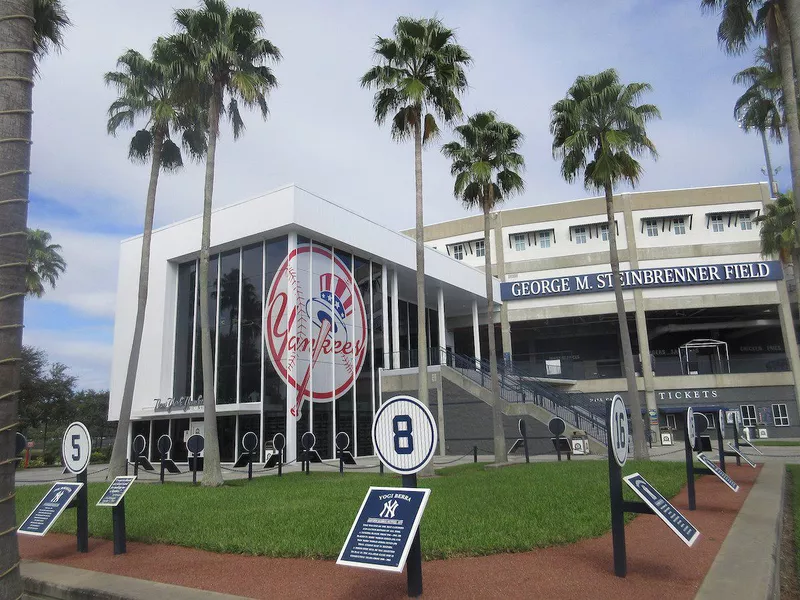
pixel 334 304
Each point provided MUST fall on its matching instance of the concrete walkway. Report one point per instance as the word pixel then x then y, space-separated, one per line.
pixel 43 580
pixel 748 564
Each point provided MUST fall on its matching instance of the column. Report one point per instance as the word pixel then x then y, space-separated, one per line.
pixel 291 392
pixel 789 337
pixel 395 323
pixel 476 334
pixel 387 358
pixel 442 328
pixel 500 270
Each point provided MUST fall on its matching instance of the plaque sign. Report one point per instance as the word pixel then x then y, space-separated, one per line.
pixel 117 490
pixel 55 501
pixel 384 528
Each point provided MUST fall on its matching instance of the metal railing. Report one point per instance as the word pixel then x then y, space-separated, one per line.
pixel 576 408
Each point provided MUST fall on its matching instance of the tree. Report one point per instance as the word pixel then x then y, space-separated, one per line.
pixel 22 41
pixel 45 263
pixel 599 128
pixel 220 51
pixel 743 20
pixel 486 164
pixel 149 90
pixel 91 409
pixel 779 235
pixel 46 393
pixel 419 77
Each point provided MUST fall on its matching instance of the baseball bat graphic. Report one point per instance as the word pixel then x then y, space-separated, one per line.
pixel 324 329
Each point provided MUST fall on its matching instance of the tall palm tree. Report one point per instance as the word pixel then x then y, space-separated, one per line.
pixel 761 105
pixel 486 164
pixel 18 35
pixel 599 128
pixel 742 21
pixel 149 92
pixel 778 233
pixel 419 75
pixel 219 49
pixel 45 263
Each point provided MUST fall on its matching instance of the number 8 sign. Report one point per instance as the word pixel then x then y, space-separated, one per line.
pixel 404 434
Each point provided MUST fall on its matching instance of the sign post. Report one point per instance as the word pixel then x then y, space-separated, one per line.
pixel 405 438
pixel 195 445
pixel 250 443
pixel 139 444
pixel 523 432
pixel 164 446
pixel 342 442
pixel 557 427
pixel 114 497
pixel 308 440
pixel 720 438
pixel 279 443
pixel 76 449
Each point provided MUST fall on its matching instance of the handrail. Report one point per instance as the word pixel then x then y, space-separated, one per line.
pixel 577 409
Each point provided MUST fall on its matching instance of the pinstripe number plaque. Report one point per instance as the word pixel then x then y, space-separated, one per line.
pixel 404 434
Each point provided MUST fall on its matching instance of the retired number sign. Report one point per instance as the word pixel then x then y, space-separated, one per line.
pixel 619 430
pixel 76 447
pixel 404 434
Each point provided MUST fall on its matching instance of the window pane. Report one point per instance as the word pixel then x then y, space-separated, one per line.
pixel 228 328
pixel 580 235
pixel 213 265
pixel 252 344
pixel 184 330
pixel 544 239
pixel 274 387
pixel 519 242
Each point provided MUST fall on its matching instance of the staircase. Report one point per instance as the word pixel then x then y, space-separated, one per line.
pixel 525 394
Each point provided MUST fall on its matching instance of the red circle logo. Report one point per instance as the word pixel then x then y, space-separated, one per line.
pixel 315 325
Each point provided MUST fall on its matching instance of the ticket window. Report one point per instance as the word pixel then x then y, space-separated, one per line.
pixel 671 424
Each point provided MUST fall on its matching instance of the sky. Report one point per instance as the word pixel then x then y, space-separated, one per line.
pixel 321 134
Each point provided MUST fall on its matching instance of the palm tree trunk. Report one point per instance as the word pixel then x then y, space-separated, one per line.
pixel 422 337
pixel 16 89
pixel 791 8
pixel 639 443
pixel 212 470
pixel 119 455
pixel 497 412
pixel 790 110
pixel 796 275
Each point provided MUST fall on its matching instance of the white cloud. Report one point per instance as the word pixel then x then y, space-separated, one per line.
pixel 89 361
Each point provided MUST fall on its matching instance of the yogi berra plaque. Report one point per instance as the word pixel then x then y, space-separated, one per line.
pixel 315 325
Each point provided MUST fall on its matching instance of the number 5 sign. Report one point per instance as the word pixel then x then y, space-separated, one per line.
pixel 76 447
pixel 404 434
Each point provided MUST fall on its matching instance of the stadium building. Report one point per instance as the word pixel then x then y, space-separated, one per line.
pixel 314 320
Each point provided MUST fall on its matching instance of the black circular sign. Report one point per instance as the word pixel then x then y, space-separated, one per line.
pixel 522 427
pixel 556 426
pixel 195 443
pixel 700 423
pixel 342 440
pixel 21 441
pixel 278 442
pixel 164 444
pixel 139 444
pixel 308 440
pixel 249 441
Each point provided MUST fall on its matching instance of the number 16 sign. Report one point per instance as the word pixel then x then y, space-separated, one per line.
pixel 404 434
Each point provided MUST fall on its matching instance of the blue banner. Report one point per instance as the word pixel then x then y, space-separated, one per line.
pixel 712 466
pixel 654 277
pixel 381 535
pixel 55 501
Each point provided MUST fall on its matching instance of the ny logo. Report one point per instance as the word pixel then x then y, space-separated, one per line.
pixel 58 495
pixel 388 509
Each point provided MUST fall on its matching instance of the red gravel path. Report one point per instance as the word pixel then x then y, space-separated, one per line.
pixel 659 564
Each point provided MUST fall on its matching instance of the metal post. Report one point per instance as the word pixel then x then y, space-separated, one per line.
pixel 736 441
pixel 280 463
pixel 162 468
pixel 381 467
pixel 118 523
pixel 558 447
pixel 194 468
pixel 250 466
pixel 524 432
pixel 83 512
pixel 689 468
pixel 136 464
pixel 475 454
pixel 414 562
pixel 721 447
pixel 341 463
pixel 617 515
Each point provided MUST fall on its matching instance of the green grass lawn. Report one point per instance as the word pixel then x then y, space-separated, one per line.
pixel 472 510
pixel 774 443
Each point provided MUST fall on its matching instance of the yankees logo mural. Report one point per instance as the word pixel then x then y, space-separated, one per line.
pixel 315 325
